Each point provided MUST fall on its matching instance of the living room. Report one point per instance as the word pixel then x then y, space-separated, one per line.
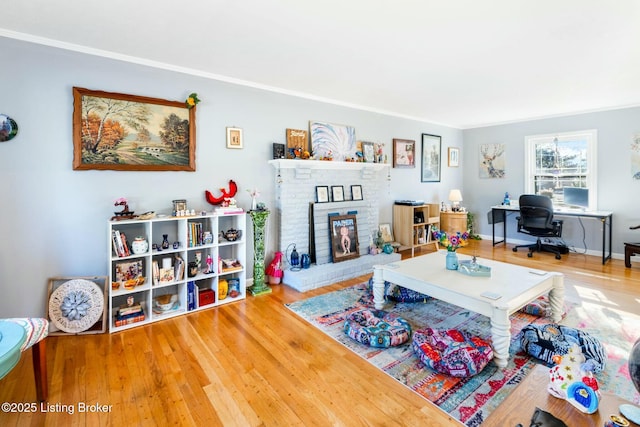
pixel 60 227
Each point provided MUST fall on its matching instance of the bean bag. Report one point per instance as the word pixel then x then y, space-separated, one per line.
pixel 451 352
pixel 397 293
pixel 377 328
pixel 545 341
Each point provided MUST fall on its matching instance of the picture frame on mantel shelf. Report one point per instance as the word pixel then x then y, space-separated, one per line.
pixel 356 192
pixel 431 154
pixel 343 237
pixel 322 194
pixel 137 133
pixel 332 141
pixel 337 193
pixel 278 151
pixel 234 137
pixel 454 157
pixel 368 152
pixel 404 153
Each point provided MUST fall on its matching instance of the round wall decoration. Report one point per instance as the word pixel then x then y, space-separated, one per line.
pixel 76 305
pixel 8 128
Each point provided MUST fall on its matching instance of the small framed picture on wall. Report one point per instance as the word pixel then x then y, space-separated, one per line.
pixel 234 137
pixel 404 151
pixel 356 192
pixel 322 194
pixel 337 193
pixel 454 157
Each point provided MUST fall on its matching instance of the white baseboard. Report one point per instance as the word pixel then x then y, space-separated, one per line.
pixel 572 249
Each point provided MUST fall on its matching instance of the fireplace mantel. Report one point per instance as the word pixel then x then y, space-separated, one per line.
pixel 325 164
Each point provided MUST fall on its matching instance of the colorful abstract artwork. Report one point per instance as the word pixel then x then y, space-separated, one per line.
pixel 330 141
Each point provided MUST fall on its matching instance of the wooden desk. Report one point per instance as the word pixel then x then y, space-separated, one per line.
pixel 532 392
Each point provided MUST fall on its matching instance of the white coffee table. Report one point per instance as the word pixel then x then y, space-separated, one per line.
pixel 516 285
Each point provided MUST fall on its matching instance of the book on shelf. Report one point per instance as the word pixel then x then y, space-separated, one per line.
pixel 118 248
pixel 228 210
pixel 127 319
pixel 178 267
pixel 156 272
pixel 191 295
pixel 125 246
pixel 126 310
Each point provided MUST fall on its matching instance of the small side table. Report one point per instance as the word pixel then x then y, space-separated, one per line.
pixel 12 336
pixel 452 222
pixel 630 249
pixel 259 220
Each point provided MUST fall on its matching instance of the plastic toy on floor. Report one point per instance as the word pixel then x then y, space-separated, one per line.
pixel 572 379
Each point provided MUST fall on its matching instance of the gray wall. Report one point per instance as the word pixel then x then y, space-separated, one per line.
pixel 54 220
pixel 617 190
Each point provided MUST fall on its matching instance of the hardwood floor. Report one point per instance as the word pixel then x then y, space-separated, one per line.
pixel 252 363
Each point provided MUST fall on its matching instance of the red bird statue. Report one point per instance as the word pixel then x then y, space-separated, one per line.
pixel 233 189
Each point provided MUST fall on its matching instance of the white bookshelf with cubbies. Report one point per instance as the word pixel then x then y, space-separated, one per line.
pixel 202 265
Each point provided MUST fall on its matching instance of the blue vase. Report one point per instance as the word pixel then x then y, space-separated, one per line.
pixel 452 260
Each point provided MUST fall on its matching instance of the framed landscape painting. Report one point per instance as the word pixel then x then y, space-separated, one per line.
pixel 114 131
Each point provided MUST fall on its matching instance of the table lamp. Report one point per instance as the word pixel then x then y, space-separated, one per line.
pixel 455 196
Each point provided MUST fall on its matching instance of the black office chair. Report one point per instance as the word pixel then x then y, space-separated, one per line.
pixel 536 219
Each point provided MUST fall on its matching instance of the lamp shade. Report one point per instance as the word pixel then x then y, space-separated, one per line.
pixel 455 196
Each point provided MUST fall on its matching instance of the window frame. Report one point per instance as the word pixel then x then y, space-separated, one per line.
pixel 591 138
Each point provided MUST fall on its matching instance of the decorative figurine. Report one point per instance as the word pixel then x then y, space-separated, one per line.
pixel 209 264
pixel 254 198
pixel 192 100
pixel 226 194
pixel 125 213
pixel 274 270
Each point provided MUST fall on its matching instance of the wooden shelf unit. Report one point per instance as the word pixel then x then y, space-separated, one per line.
pixel 412 225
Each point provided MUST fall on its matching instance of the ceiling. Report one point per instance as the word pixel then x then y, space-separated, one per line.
pixel 461 63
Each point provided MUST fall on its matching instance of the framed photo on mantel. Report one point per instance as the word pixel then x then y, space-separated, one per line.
pixel 344 237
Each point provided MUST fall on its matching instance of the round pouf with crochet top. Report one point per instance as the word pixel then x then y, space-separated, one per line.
pixel 377 328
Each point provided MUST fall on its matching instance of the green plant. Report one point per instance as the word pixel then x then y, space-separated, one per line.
pixel 471 217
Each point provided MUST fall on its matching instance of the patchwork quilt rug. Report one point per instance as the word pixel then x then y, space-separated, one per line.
pixel 470 400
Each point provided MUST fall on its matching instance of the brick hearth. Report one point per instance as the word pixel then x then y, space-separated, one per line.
pixel 296 182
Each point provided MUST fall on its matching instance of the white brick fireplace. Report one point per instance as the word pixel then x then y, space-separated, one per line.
pixel 296 182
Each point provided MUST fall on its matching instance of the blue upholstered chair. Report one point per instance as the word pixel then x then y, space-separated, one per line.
pixel 16 336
